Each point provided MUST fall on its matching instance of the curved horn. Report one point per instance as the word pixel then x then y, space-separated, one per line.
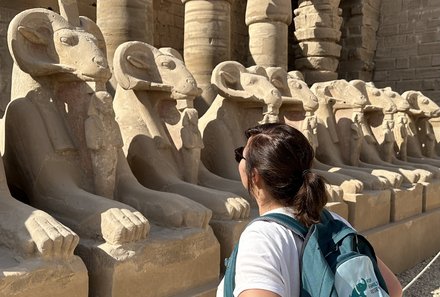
pixel 134 66
pixel 29 38
pixel 226 77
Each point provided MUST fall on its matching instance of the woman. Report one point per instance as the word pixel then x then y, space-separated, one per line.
pixel 275 168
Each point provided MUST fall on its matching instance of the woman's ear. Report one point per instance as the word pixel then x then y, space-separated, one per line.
pixel 256 179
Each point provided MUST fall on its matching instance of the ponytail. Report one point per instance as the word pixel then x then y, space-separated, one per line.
pixel 310 198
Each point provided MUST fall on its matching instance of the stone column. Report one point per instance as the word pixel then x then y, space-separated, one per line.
pixel 268 22
pixel 317 30
pixel 124 20
pixel 207 42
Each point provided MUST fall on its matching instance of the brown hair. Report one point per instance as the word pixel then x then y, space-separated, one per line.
pixel 283 157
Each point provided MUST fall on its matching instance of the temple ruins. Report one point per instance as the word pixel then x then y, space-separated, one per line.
pixel 119 120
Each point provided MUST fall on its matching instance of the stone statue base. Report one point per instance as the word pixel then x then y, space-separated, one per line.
pixel 406 202
pixel 169 262
pixel 431 198
pixel 37 277
pixel 405 243
pixel 341 208
pixel 368 209
pixel 228 233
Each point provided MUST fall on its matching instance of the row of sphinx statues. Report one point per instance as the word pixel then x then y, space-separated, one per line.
pixel 108 168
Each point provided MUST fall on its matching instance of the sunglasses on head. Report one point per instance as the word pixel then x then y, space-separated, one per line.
pixel 239 154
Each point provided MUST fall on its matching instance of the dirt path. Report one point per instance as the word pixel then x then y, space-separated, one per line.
pixel 428 285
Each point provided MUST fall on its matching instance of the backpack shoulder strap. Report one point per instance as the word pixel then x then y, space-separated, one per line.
pixel 286 221
pixel 229 279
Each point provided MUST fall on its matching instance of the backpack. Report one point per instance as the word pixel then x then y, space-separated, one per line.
pixel 334 261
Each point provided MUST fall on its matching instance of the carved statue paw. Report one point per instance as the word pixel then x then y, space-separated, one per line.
pixel 352 186
pixel 232 208
pixel 334 193
pixel 395 179
pixel 52 239
pixel 120 226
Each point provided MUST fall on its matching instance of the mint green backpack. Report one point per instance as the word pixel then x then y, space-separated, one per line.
pixel 334 261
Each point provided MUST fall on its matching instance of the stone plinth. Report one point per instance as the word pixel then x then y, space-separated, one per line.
pixel 406 202
pixel 341 208
pixel 431 198
pixel 369 209
pixel 38 277
pixel 403 244
pixel 168 263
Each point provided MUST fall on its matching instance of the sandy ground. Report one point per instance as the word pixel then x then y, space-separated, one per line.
pixel 427 285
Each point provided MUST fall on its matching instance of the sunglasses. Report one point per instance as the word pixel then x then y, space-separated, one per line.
pixel 239 154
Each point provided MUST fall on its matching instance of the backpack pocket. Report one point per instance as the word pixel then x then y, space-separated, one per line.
pixel 355 277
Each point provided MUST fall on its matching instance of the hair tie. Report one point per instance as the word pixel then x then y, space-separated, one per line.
pixel 305 172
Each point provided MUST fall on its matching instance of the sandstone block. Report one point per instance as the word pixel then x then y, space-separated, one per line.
pixel 168 263
pixel 36 277
pixel 431 199
pixel 369 209
pixel 316 48
pixel 405 243
pixel 325 8
pixel 332 3
pixel 317 33
pixel 312 76
pixel 317 63
pixel 341 208
pixel 319 19
pixel 406 203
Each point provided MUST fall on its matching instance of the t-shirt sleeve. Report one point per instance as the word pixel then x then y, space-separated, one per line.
pixel 258 262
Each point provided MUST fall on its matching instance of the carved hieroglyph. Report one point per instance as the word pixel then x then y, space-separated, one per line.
pixel 268 22
pixel 207 42
pixel 317 30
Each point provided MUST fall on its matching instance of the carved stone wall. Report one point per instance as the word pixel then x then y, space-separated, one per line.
pixel 408 48
pixel 361 22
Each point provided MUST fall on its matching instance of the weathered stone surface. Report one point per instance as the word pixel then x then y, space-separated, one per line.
pixel 37 277
pixel 170 262
pixel 318 19
pixel 268 23
pixel 415 234
pixel 324 34
pixel 319 48
pixel 317 63
pixel 206 43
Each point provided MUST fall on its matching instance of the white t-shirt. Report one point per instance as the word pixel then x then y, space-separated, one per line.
pixel 268 258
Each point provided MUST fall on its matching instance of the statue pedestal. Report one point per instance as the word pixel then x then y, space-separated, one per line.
pixel 431 198
pixel 341 208
pixel 228 233
pixel 37 277
pixel 167 263
pixel 406 202
pixel 403 244
pixel 369 209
